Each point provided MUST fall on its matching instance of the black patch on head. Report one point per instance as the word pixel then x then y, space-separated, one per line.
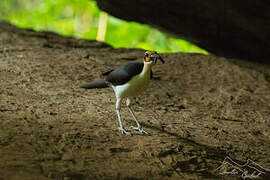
pixel 145 55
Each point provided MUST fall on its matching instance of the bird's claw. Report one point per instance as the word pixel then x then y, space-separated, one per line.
pixel 123 131
pixel 140 129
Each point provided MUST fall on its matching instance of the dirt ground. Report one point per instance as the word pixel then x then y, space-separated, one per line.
pixel 199 110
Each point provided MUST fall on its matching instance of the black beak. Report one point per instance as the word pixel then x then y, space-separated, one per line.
pixel 155 57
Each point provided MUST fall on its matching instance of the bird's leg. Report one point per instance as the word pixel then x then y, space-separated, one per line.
pixel 139 127
pixel 118 107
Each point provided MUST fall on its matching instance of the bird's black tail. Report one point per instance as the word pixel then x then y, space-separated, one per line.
pixel 95 84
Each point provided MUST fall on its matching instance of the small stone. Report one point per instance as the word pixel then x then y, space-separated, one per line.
pixel 68 156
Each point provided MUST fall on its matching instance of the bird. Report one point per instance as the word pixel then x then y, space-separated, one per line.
pixel 127 81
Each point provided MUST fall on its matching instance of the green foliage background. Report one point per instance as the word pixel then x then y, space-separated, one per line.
pixel 79 18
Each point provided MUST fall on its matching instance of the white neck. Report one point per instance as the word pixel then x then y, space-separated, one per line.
pixel 147 67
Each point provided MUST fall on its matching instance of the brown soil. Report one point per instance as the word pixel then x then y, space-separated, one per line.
pixel 199 109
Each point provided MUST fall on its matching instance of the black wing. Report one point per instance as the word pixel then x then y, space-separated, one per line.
pixel 107 72
pixel 123 74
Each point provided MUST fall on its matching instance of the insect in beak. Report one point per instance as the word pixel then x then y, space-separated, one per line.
pixel 160 58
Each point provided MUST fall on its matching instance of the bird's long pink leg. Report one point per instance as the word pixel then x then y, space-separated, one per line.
pixel 118 107
pixel 139 127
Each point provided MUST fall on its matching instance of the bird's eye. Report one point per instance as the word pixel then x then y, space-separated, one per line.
pixel 146 55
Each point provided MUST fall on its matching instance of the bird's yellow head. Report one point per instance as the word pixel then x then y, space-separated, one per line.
pixel 152 56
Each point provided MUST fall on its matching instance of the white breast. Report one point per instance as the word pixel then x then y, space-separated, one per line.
pixel 133 87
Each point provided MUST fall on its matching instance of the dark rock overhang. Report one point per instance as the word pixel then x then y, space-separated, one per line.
pixel 239 29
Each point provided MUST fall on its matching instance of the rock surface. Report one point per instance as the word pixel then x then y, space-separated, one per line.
pixel 229 28
pixel 199 109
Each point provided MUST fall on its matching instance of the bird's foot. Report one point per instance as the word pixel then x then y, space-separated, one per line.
pixel 140 129
pixel 123 131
